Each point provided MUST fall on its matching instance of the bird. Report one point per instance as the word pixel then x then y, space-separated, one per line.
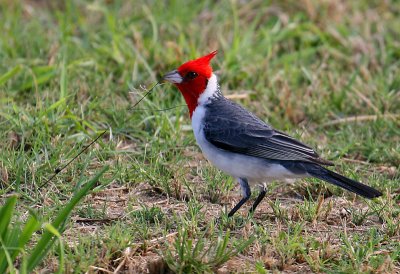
pixel 242 145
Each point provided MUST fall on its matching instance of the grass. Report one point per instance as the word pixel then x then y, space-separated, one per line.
pixel 15 238
pixel 70 70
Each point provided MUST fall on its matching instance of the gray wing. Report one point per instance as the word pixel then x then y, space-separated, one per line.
pixel 230 127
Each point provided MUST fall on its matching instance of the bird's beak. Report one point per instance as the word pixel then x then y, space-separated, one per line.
pixel 173 77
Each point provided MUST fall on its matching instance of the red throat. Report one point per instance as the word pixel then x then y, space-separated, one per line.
pixel 192 91
pixel 193 88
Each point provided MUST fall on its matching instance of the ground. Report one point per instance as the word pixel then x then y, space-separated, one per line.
pixel 326 72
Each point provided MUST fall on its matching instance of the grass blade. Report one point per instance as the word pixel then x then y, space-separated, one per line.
pixel 63 77
pixel 57 234
pixel 44 244
pixel 31 226
pixel 6 212
pixel 9 74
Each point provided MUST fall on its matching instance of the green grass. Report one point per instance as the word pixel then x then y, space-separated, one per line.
pixel 70 70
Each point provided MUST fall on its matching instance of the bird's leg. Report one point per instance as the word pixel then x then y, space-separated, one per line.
pixel 244 185
pixel 261 196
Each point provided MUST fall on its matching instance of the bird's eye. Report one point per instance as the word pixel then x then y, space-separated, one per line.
pixel 191 75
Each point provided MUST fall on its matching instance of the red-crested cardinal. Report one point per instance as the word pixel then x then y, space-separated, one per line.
pixel 243 146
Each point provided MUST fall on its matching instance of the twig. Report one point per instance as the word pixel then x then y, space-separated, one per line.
pixel 120 265
pixel 161 202
pixel 237 96
pixel 355 161
pixel 161 109
pixel 108 200
pixel 114 189
pixel 100 268
pixel 87 227
pixel 366 100
pixel 58 170
pixel 94 220
pixel 147 93
pixel 156 240
pixel 361 118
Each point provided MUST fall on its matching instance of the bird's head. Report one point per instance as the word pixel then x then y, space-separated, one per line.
pixel 192 79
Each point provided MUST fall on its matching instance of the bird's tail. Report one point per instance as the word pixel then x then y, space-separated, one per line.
pixel 344 182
